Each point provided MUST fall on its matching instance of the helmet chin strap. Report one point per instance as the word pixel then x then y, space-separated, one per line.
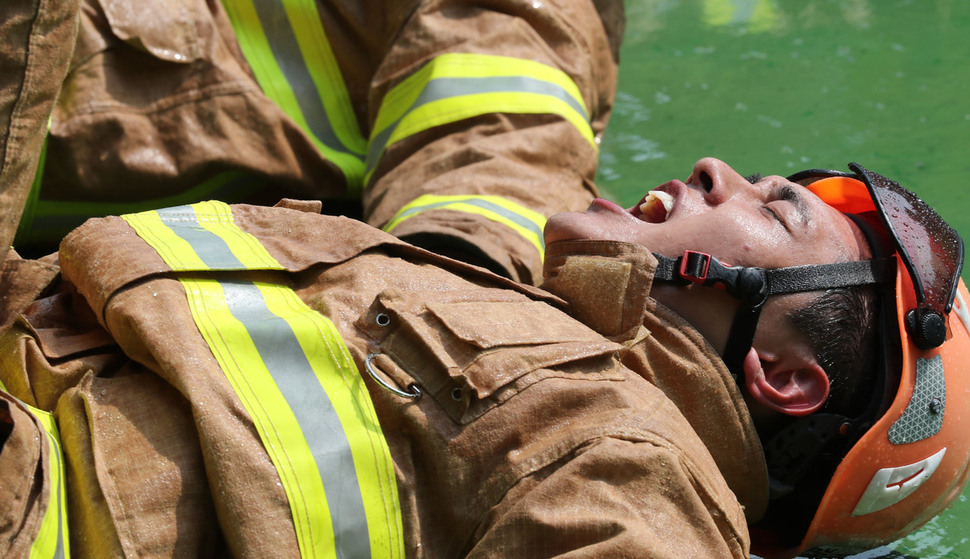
pixel 753 286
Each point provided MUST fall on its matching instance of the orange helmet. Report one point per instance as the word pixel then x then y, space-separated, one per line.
pixel 909 456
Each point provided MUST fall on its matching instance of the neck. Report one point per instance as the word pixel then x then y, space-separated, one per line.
pixel 708 310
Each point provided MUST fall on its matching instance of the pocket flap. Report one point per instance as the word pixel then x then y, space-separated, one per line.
pixel 496 323
pixel 481 340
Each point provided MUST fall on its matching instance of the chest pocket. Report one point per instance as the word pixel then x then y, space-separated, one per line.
pixel 473 349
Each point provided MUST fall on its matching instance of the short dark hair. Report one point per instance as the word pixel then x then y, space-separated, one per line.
pixel 840 325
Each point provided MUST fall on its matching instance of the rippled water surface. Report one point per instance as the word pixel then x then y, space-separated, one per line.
pixel 776 86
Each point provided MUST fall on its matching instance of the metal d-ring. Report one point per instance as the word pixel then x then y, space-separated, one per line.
pixel 414 391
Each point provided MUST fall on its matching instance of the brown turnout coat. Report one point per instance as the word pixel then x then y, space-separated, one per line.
pixel 615 431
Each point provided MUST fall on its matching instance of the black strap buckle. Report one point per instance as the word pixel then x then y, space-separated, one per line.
pixel 748 284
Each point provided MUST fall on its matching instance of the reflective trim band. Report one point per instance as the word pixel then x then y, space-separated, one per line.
pixel 457 86
pixel 285 45
pixel 291 370
pixel 527 223
pixel 52 541
pixel 201 237
pixel 48 221
pixel 923 416
pixel 52 538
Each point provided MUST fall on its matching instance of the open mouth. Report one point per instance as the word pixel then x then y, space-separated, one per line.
pixel 655 207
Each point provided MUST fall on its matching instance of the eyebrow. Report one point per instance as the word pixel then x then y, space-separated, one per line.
pixel 788 193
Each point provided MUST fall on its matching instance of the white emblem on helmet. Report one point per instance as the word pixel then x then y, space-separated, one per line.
pixel 891 485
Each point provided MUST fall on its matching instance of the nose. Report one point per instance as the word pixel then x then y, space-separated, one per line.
pixel 719 181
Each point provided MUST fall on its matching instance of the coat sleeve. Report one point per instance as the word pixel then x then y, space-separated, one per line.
pixel 34 53
pixel 486 119
pixel 616 497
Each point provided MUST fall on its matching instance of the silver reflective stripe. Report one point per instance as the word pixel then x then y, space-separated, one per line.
pixel 293 374
pixel 484 204
pixel 442 88
pixel 209 247
pixel 289 58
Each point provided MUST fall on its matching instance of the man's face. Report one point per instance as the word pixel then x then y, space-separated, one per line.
pixel 771 223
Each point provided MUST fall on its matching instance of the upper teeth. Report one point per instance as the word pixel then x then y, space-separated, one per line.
pixel 655 196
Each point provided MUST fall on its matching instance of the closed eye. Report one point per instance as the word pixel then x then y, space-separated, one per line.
pixel 773 214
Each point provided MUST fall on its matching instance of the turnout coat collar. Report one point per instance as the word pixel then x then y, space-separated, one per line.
pixel 607 285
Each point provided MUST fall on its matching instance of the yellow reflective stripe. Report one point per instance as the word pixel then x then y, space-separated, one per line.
pixel 292 372
pixel 337 373
pixel 274 420
pixel 52 540
pixel 456 86
pixel 216 218
pixel 174 250
pixel 47 221
pixel 323 68
pixel 527 223
pixel 175 233
pixel 449 110
pixel 295 67
pixel 464 65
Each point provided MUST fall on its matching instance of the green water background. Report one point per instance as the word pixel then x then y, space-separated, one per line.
pixel 776 86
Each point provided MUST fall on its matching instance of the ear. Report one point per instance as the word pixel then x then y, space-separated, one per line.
pixel 792 385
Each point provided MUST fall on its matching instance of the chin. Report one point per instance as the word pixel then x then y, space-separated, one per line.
pixel 566 226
